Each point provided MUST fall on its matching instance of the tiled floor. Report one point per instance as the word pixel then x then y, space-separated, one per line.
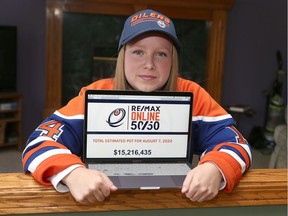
pixel 10 160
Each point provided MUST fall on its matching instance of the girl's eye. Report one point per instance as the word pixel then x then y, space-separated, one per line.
pixel 162 54
pixel 138 52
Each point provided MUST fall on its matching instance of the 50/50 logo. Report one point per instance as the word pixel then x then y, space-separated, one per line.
pixel 145 125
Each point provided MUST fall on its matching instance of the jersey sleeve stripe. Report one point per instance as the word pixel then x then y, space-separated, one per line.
pixel 43 145
pixel 232 149
pixel 36 154
pixel 211 118
pixel 236 157
pixel 53 165
pixel 35 142
pixel 80 116
pixel 237 147
pixel 34 164
pixel 247 149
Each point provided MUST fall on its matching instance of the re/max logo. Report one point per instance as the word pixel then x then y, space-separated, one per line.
pixel 145 108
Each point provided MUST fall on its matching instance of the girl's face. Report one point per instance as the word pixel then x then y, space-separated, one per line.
pixel 148 61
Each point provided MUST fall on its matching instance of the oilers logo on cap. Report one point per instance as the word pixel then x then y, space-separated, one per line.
pixel 161 24
pixel 148 21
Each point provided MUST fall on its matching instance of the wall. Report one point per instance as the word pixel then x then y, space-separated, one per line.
pixel 256 29
pixel 29 17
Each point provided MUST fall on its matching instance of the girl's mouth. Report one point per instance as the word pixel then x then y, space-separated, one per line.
pixel 147 77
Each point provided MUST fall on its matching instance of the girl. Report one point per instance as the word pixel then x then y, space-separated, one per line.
pixel 147 61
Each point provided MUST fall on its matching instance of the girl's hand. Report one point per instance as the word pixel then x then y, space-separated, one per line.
pixel 88 186
pixel 202 183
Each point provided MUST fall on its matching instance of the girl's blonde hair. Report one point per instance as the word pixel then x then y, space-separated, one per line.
pixel 120 82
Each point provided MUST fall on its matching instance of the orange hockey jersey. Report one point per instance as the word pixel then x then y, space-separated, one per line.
pixel 57 143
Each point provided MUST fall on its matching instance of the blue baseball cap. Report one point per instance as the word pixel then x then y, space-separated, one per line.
pixel 148 21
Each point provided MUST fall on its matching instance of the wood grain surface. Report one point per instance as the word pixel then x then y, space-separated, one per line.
pixel 21 194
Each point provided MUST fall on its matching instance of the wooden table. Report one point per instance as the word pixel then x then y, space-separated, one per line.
pixel 21 194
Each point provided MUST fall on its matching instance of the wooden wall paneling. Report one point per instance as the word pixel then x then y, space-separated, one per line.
pixel 53 56
pixel 197 4
pixel 115 8
pixel 215 58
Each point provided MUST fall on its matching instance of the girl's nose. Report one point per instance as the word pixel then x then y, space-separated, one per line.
pixel 149 62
